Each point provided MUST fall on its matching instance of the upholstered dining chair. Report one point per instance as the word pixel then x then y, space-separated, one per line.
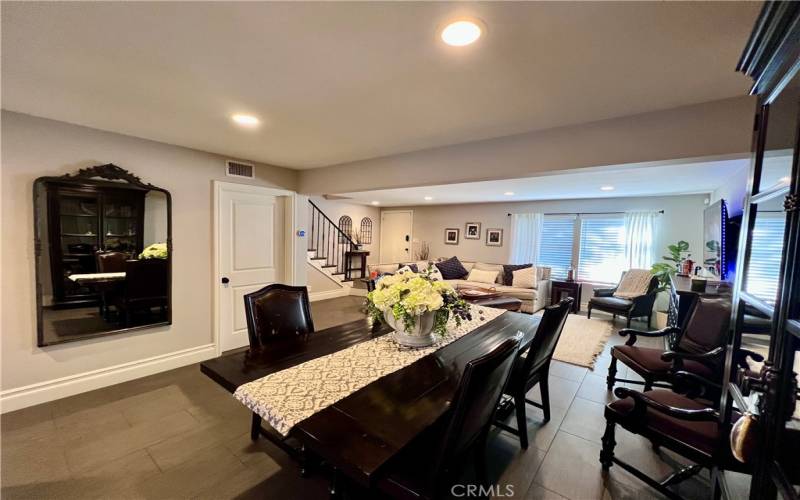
pixel 429 465
pixel 110 262
pixel 146 286
pixel 697 348
pixel 637 307
pixel 273 313
pixel 533 366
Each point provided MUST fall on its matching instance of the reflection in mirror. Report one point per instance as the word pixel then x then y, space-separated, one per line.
pixel 103 263
pixel 763 266
pixel 781 137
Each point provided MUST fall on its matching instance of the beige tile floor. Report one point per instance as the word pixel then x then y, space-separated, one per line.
pixel 178 435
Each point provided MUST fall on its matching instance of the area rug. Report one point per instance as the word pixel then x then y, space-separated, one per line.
pixel 583 340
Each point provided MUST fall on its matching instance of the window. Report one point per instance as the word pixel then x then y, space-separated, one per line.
pixel 602 250
pixel 555 249
pixel 766 250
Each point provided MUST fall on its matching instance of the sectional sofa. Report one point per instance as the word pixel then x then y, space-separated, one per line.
pixel 533 299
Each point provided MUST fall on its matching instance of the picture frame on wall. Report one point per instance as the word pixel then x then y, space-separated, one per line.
pixel 472 231
pixel 494 237
pixel 451 236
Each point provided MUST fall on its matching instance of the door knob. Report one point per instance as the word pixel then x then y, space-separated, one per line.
pixel 225 280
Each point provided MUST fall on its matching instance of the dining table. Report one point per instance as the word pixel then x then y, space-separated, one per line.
pixel 359 434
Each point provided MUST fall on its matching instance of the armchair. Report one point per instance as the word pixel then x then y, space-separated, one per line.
pixel 637 307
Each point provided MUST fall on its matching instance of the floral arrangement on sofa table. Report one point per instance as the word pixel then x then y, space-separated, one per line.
pixel 416 306
pixel 154 251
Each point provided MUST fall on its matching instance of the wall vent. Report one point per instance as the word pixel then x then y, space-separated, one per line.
pixel 239 169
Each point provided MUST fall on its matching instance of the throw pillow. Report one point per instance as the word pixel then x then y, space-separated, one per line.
pixel 523 278
pixel 480 276
pixel 451 269
pixel 385 268
pixel 510 268
pixel 497 268
pixel 434 274
pixel 412 266
pixel 407 269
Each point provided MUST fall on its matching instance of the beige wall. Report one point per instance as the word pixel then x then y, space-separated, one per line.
pixel 335 209
pixel 34 147
pixel 718 128
pixel 682 220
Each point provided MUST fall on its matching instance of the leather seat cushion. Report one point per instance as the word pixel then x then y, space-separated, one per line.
pixel 614 303
pixel 645 360
pixel 700 435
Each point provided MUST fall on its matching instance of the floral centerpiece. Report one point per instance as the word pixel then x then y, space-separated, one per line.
pixel 154 251
pixel 416 306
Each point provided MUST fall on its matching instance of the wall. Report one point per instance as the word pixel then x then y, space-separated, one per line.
pixel 734 190
pixel 335 209
pixel 33 147
pixel 719 128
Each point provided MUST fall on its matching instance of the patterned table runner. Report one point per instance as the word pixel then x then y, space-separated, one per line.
pixel 289 396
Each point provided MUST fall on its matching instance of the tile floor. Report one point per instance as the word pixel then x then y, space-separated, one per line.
pixel 178 435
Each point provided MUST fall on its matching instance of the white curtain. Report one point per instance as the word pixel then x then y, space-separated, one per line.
pixel 640 230
pixel 526 235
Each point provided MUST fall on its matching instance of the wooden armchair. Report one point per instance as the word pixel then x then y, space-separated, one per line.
pixel 637 307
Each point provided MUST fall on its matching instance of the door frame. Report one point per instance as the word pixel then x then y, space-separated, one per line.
pixel 289 242
pixel 411 233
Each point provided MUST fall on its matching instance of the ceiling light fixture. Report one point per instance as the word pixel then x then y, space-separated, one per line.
pixel 245 120
pixel 509 193
pixel 460 33
pixel 428 198
pixel 606 188
pixel 375 203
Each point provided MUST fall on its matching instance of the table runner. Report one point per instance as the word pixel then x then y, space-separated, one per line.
pixel 289 396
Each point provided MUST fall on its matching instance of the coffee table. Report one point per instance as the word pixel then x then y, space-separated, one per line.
pixel 507 303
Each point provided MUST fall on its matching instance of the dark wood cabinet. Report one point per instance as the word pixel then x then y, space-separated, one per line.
pixel 83 220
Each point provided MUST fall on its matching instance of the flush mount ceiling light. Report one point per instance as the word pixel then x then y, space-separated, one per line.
pixel 606 188
pixel 462 32
pixel 245 120
pixel 428 198
pixel 509 193
pixel 375 203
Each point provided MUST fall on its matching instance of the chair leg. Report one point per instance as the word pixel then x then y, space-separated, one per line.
pixel 255 427
pixel 648 384
pixel 607 452
pixel 628 325
pixel 649 320
pixel 522 420
pixel 589 312
pixel 613 317
pixel 544 388
pixel 612 374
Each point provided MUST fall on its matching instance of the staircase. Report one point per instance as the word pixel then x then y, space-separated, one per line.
pixel 327 246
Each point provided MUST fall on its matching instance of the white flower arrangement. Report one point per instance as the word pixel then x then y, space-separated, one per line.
pixel 155 251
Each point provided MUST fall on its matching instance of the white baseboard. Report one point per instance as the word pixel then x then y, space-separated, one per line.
pixel 329 294
pixel 42 392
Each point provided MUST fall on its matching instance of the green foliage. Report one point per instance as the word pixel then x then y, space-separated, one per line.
pixel 663 270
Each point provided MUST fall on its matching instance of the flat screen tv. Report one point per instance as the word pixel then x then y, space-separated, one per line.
pixel 720 241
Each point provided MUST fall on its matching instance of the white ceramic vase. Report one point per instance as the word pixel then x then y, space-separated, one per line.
pixel 419 336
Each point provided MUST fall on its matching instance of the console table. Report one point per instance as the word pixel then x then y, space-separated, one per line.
pixel 561 289
pixel 349 255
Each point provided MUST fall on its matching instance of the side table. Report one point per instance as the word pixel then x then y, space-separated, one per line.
pixel 561 289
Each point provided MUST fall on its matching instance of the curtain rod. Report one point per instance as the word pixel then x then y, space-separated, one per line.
pixel 584 213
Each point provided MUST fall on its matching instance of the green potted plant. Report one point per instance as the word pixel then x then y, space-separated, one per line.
pixel 663 271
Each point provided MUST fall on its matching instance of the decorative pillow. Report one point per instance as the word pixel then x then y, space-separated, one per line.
pixel 411 265
pixel 451 269
pixel 422 265
pixel 468 265
pixel 510 268
pixel 384 268
pixel 480 276
pixel 497 268
pixel 407 269
pixel 524 278
pixel 434 274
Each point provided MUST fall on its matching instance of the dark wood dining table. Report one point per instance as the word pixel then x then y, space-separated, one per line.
pixel 360 433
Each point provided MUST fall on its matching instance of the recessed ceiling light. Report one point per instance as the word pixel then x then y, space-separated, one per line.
pixel 785 180
pixel 376 203
pixel 460 33
pixel 606 188
pixel 428 198
pixel 509 193
pixel 245 120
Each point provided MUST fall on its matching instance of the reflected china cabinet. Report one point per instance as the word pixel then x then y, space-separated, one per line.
pixel 766 300
pixel 83 220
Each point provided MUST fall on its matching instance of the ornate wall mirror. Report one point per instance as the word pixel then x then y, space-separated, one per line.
pixel 103 254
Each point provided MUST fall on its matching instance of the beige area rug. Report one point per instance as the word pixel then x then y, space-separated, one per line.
pixel 583 340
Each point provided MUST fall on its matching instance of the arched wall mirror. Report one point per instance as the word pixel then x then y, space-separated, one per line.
pixel 366 231
pixel 103 254
pixel 346 226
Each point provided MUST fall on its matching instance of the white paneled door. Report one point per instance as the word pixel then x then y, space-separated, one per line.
pixel 250 251
pixel 396 235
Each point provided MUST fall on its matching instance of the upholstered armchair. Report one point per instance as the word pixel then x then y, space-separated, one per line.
pixel 637 307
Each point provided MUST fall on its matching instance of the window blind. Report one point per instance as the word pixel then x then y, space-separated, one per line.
pixel 763 270
pixel 555 249
pixel 602 250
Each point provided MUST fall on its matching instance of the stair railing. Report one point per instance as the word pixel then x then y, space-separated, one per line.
pixel 328 241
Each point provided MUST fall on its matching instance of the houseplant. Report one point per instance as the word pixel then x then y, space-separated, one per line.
pixel 416 306
pixel 663 271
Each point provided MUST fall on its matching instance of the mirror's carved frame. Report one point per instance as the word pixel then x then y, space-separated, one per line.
pixel 109 172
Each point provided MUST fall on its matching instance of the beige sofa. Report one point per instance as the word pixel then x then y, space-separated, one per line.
pixel 532 299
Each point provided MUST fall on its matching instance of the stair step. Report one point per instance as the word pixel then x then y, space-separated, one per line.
pixel 312 249
pixel 337 274
pixel 328 267
pixel 319 258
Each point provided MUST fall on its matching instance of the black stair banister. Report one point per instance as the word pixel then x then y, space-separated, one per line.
pixel 328 241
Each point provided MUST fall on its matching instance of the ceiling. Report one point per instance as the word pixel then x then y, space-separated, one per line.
pixel 667 179
pixel 336 82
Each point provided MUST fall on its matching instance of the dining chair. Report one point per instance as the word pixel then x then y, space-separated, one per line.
pixel 532 367
pixel 273 313
pixel 110 262
pixel 429 465
pixel 145 287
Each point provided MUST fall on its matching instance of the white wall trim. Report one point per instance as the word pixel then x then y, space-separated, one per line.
pixel 328 294
pixel 42 392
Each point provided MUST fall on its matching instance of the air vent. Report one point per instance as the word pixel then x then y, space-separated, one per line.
pixel 239 169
